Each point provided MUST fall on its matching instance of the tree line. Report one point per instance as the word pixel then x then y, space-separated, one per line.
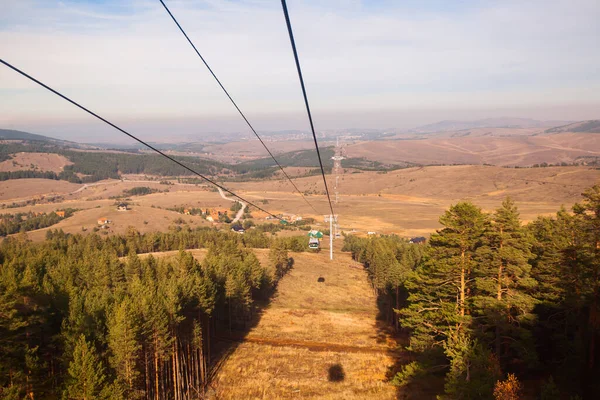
pixel 80 321
pixel 29 221
pixel 494 305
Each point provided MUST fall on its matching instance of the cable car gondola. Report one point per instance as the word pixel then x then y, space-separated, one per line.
pixel 313 243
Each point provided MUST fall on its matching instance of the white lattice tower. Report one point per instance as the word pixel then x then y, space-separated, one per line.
pixel 337 167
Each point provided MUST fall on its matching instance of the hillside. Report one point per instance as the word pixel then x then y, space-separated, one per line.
pixel 9 134
pixel 35 161
pixel 592 126
pixel 506 122
pixel 504 148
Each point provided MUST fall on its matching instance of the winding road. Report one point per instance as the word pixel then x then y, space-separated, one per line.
pixel 240 212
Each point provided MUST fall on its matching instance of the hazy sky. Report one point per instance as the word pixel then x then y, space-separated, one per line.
pixel 370 63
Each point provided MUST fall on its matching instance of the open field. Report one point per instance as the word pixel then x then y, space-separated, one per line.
pixel 309 331
pixel 508 146
pixel 504 150
pixel 407 202
pixel 410 201
pixel 35 161
pixel 252 149
pixel 17 189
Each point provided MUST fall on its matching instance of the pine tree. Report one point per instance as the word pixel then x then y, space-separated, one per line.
pixel 85 371
pixel 442 286
pixel 473 369
pixel 503 301
pixel 588 212
pixel 123 341
pixel 278 257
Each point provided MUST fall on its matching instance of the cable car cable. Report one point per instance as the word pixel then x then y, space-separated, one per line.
pixel 133 137
pixel 293 43
pixel 236 106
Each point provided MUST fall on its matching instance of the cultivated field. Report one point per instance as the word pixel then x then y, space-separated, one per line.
pixel 314 340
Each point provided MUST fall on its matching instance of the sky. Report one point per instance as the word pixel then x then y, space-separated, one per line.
pixel 366 64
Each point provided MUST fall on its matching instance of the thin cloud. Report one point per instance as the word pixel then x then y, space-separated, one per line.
pixel 127 59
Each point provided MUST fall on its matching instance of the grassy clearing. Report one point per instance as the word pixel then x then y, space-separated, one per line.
pixel 308 329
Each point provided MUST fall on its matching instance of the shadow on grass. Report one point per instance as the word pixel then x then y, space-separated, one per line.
pixel 230 327
pixel 336 373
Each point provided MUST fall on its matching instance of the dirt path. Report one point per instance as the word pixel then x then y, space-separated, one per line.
pixel 314 346
pixel 311 331
pixel 241 210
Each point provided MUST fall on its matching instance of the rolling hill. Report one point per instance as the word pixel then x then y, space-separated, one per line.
pixel 591 126
pixel 11 134
pixel 506 122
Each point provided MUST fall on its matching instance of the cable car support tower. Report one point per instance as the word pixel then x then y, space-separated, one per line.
pixel 337 170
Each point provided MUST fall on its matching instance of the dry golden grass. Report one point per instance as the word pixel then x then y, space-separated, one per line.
pixel 258 371
pixel 308 328
pixel 407 202
pixel 498 148
pixel 144 219
pixel 17 189
pixel 40 161
pixel 198 254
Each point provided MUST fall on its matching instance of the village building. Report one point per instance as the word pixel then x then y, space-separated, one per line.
pixel 122 207
pixel 60 213
pixel 418 240
pixel 103 221
pixel 238 229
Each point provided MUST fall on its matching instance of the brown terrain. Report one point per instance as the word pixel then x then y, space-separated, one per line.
pixel 252 149
pixel 313 340
pixel 407 202
pixel 35 161
pixel 497 146
pixel 477 147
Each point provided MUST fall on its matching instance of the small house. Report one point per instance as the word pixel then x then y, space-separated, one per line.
pixel 209 218
pixel 60 213
pixel 103 221
pixel 238 229
pixel 122 207
pixel 418 240
pixel 186 211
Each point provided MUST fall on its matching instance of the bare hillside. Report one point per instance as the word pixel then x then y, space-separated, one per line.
pixel 35 161
pixel 514 150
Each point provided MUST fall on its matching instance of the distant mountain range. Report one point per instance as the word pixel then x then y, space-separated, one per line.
pixel 590 126
pixel 11 134
pixel 452 125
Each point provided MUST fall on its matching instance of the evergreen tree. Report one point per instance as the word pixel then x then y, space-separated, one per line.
pixel 588 212
pixel 503 303
pixel 124 344
pixel 86 374
pixel 442 286
pixel 278 257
